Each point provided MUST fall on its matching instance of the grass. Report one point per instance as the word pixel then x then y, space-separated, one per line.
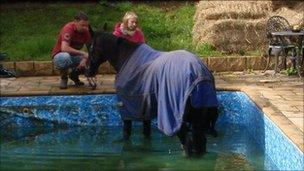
pixel 29 30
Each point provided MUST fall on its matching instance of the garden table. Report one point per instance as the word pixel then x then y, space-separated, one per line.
pixel 299 57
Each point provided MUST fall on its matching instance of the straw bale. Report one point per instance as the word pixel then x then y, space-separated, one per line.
pixel 234 35
pixel 294 16
pixel 232 26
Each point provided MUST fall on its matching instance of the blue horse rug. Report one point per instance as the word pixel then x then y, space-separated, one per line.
pixel 158 84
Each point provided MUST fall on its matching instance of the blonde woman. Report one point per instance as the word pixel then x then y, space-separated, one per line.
pixel 129 29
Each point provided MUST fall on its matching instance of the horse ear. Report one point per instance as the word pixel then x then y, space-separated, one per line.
pixel 91 31
pixel 105 27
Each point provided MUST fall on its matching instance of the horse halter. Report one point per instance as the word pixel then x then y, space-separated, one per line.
pixel 93 80
pixel 94 48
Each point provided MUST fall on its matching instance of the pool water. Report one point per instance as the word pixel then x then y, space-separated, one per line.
pixel 85 132
pixel 101 148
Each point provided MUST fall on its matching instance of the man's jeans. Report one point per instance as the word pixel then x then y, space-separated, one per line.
pixel 64 61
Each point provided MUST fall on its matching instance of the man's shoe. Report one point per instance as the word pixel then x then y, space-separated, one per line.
pixel 74 76
pixel 63 79
pixel 63 83
pixel 77 81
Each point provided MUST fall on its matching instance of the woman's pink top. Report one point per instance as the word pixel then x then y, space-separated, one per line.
pixel 137 37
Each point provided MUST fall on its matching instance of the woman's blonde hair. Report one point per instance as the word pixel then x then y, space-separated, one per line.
pixel 127 16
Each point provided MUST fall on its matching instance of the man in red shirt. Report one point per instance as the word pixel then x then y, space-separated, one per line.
pixel 129 29
pixel 67 55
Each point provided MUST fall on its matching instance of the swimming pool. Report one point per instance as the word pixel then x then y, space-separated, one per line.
pixel 83 132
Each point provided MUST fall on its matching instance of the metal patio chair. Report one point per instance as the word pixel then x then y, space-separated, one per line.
pixel 278 46
pixel 4 73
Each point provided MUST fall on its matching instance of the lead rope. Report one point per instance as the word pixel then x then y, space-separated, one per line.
pixel 92 80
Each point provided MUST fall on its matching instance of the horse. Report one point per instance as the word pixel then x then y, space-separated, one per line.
pixel 175 87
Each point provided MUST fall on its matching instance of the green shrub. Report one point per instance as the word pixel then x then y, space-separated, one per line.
pixel 29 31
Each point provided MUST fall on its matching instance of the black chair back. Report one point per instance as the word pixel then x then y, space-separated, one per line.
pixel 276 24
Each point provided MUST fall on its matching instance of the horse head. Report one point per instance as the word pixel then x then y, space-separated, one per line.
pixel 107 47
pixel 97 54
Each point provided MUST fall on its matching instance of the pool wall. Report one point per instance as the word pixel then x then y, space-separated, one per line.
pixel 238 108
pixel 92 110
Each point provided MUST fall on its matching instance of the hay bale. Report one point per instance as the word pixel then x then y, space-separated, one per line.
pixel 235 35
pixel 231 26
pixel 294 16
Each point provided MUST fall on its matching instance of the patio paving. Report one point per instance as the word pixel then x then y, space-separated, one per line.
pixel 280 97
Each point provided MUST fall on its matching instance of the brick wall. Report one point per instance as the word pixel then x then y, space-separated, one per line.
pixel 215 64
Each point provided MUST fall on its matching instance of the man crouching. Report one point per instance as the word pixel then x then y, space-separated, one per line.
pixel 67 55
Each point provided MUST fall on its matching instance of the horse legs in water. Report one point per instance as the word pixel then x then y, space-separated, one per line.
pixel 197 123
pixel 192 138
pixel 211 118
pixel 147 128
pixel 127 129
